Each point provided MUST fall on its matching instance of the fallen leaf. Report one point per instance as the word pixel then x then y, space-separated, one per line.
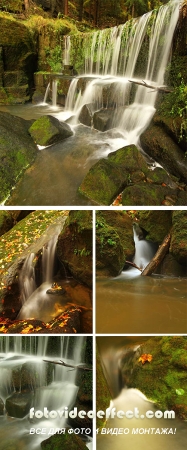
pixel 145 357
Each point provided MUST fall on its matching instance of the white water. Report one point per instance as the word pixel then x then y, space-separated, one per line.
pixel 67 47
pixel 111 59
pixel 36 303
pixel 59 393
pixel 144 252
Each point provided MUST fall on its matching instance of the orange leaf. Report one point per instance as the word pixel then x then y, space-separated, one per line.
pixel 145 357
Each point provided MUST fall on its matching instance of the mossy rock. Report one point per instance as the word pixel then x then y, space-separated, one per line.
pixel 160 146
pixel 108 177
pixel 164 378
pixel 114 241
pixel 74 246
pixel 17 151
pixel 178 245
pixel 156 223
pixel 63 441
pixel 144 194
pixel 6 221
pixel 48 130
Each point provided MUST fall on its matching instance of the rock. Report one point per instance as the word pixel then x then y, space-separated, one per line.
pixel 156 224
pixel 19 51
pixel 178 246
pixel 162 378
pixel 160 146
pixel 144 194
pixel 114 242
pixel 63 441
pixel 171 268
pixel 173 128
pixel 17 151
pixel 74 246
pixel 6 221
pixel 48 130
pixel 85 115
pixel 102 119
pixel 108 177
pixel 19 404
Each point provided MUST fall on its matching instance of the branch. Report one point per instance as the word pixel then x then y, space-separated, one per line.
pixel 134 265
pixel 62 363
pixel 155 88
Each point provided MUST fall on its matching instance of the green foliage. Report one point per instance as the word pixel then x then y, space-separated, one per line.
pixel 180 391
pixel 54 58
pixel 175 105
pixel 111 242
pixel 82 252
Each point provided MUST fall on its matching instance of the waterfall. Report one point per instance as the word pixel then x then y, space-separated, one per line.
pixel 139 49
pixel 67 47
pixel 35 300
pixel 52 386
pixel 144 251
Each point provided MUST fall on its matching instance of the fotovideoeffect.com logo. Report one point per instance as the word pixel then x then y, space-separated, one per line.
pixel 109 413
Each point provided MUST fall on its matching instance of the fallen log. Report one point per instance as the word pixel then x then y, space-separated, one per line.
pixel 158 257
pixel 62 363
pixel 134 265
pixel 163 89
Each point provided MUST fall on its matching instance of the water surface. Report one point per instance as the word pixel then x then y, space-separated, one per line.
pixel 134 304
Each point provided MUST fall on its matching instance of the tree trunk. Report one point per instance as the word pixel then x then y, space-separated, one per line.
pixel 81 3
pixel 66 7
pixel 159 256
pixel 26 3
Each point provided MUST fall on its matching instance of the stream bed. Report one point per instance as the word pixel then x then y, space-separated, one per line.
pixel 132 304
pixel 58 170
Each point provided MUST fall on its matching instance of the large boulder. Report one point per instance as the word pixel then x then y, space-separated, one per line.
pixel 126 172
pixel 74 246
pixel 178 245
pixel 163 379
pixel 48 130
pixel 19 49
pixel 17 151
pixel 114 242
pixel 156 224
pixel 19 404
pixel 160 146
pixel 102 119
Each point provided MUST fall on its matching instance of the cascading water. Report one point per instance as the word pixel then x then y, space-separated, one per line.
pixel 51 386
pixel 67 47
pixel 115 57
pixel 36 303
pixel 144 251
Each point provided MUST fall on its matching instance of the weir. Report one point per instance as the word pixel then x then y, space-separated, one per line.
pixel 139 49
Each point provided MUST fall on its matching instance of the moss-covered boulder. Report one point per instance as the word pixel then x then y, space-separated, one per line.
pixel 156 224
pixel 114 242
pixel 17 151
pixel 19 48
pixel 48 130
pixel 6 221
pixel 163 377
pixel 74 246
pixel 178 245
pixel 144 194
pixel 63 441
pixel 108 177
pixel 160 146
